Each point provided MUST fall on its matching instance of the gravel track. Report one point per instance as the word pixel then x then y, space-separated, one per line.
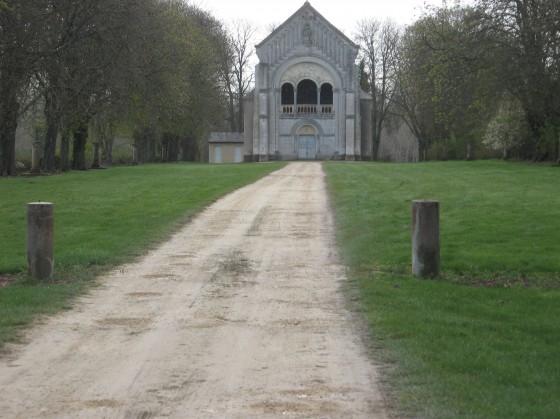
pixel 238 315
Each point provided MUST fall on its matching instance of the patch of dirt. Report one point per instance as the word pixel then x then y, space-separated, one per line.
pixel 123 321
pixel 93 404
pixel 6 280
pixel 238 315
pixel 144 294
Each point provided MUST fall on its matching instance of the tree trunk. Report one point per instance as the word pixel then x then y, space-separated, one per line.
pixel 107 152
pixel 165 143
pixel 9 112
pixel 375 148
pixel 240 114
pixel 152 147
pixel 189 152
pixel 422 150
pixel 49 147
pixel 65 151
pixel 231 112
pixel 469 152
pixel 558 151
pixel 375 137
pixel 176 148
pixel 95 163
pixel 79 147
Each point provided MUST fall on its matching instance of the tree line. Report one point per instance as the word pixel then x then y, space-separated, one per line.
pixel 464 78
pixel 164 71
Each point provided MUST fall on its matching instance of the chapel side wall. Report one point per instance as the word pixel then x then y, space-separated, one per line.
pixel 350 120
pixel 340 106
pixel 273 109
pixel 328 147
pixel 249 107
pixel 263 109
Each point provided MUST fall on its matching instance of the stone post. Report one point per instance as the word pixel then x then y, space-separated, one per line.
pixel 40 239
pixel 36 158
pixel 425 238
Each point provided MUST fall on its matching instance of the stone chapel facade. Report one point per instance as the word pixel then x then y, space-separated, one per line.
pixel 307 103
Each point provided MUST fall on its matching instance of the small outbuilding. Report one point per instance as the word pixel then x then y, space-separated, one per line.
pixel 226 147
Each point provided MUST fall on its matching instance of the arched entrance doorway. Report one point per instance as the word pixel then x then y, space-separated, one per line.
pixel 307 143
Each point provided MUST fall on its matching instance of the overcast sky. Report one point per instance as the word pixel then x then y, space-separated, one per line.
pixel 342 13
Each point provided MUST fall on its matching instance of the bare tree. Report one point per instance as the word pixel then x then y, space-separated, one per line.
pixel 242 50
pixel 378 42
pixel 271 27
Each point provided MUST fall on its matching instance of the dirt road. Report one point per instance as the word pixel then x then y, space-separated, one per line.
pixel 239 315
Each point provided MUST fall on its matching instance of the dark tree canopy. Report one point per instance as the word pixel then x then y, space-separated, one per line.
pixel 144 66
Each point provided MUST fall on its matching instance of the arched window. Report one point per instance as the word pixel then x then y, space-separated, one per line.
pixel 326 94
pixel 287 94
pixel 307 92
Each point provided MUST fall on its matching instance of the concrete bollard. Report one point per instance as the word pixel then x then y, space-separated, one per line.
pixel 40 239
pixel 425 238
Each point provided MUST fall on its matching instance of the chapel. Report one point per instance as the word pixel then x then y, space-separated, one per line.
pixel 307 103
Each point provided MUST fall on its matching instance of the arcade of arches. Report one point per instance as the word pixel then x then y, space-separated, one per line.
pixel 309 99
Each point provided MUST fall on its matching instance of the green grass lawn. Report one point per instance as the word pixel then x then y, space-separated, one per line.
pixel 481 341
pixel 484 339
pixel 102 218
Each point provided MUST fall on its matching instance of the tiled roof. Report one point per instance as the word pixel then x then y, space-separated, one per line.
pixel 226 137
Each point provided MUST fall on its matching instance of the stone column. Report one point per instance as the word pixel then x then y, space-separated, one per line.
pixel 40 239
pixel 425 238
pixel 36 158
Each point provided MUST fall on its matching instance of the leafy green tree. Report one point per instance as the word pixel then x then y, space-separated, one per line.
pixel 527 34
pixel 508 130
pixel 181 99
pixel 21 47
pixel 447 80
pixel 415 88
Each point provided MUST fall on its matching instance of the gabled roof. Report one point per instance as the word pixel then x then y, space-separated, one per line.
pixel 226 137
pixel 300 12
pixel 307 33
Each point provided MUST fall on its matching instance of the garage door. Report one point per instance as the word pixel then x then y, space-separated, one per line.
pixel 217 154
pixel 238 154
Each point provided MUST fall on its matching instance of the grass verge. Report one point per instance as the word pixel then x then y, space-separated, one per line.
pixel 102 218
pixel 481 341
